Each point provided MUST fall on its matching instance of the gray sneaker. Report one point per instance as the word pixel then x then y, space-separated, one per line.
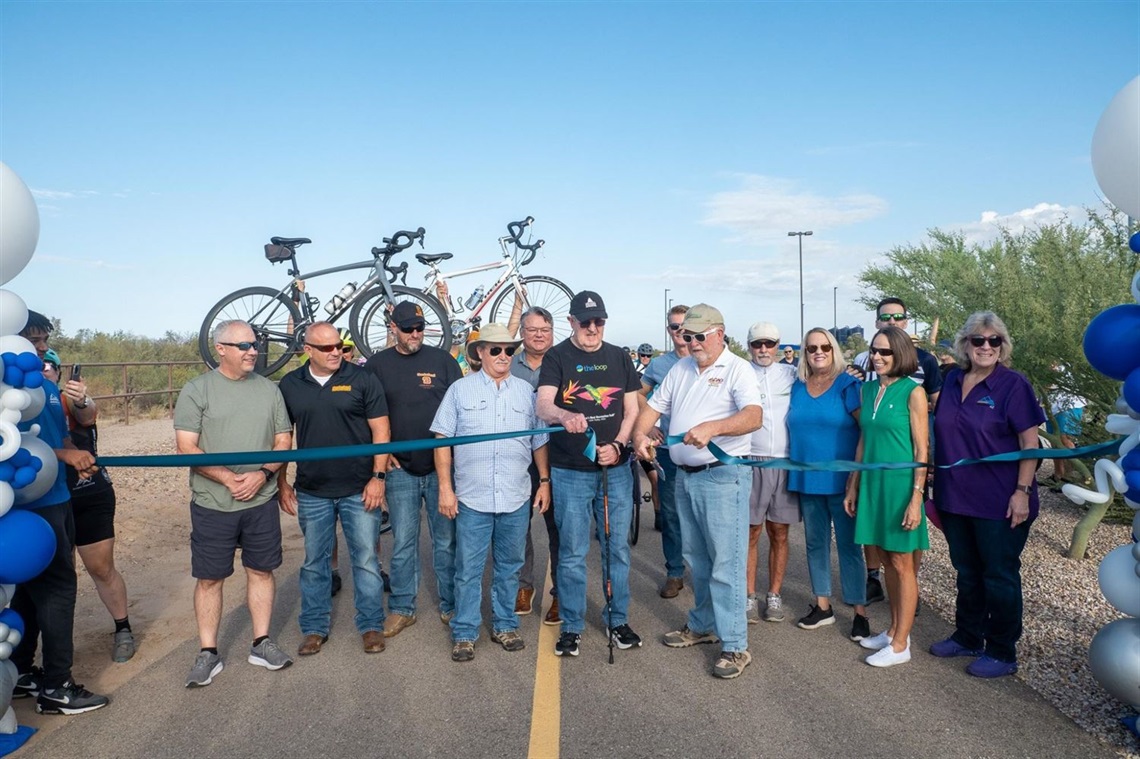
pixel 124 647
pixel 268 655
pixel 774 608
pixel 752 609
pixel 685 637
pixel 731 664
pixel 206 668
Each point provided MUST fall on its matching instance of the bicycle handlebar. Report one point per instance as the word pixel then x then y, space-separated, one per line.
pixel 399 241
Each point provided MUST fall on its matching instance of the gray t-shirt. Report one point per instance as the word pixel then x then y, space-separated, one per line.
pixel 231 415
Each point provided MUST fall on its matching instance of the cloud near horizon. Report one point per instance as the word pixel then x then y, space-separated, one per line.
pixel 991 223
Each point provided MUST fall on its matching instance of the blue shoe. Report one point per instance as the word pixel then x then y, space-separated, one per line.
pixel 989 667
pixel 944 649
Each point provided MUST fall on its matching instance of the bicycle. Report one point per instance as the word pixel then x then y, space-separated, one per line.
pixel 537 290
pixel 279 318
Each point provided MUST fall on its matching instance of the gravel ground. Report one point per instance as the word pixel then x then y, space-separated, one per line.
pixel 1064 609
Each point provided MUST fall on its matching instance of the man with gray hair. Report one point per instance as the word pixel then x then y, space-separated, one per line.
pixel 711 396
pixel 233 409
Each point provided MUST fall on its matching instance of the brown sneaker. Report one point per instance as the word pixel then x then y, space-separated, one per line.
pixel 672 587
pixel 552 617
pixel 509 640
pixel 311 645
pixel 397 622
pixel 373 642
pixel 523 601
pixel 464 650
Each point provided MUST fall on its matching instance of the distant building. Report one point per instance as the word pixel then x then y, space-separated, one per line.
pixel 843 334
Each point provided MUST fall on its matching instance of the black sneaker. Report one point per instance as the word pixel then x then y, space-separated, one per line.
pixel 874 590
pixel 69 698
pixel 385 524
pixel 816 617
pixel 624 637
pixel 860 628
pixel 28 684
pixel 337 583
pixel 567 644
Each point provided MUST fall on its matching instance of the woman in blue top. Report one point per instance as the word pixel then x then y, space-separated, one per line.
pixel 823 425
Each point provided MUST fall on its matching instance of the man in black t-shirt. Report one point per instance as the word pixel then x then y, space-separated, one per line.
pixel 334 403
pixel 588 383
pixel 415 378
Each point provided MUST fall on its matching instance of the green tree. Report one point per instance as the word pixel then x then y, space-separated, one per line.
pixel 735 346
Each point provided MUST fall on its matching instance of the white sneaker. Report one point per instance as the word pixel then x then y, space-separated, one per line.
pixel 887 657
pixel 876 642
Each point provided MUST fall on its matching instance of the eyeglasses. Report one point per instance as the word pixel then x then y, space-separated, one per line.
pixel 495 350
pixel 699 337
pixel 886 352
pixel 813 349
pixel 347 349
pixel 978 341
pixel 242 346
pixel 789 350
pixel 537 330
pixel 326 348
pixel 673 327
pixel 763 344
pixel 411 329
pixel 587 323
pixel 892 317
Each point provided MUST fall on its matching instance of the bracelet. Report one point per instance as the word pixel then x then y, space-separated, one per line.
pixel 542 480
pixel 917 489
pixel 267 472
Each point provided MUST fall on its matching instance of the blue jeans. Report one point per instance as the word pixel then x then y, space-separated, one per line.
pixel 317 517
pixel 405 493
pixel 820 512
pixel 505 536
pixel 713 507
pixel 986 553
pixel 577 498
pixel 670 522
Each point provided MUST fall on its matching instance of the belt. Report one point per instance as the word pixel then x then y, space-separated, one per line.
pixel 701 468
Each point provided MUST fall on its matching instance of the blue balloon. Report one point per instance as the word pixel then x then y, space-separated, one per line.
pixel 22 457
pixel 25 476
pixel 13 376
pixel 13 620
pixel 1112 341
pixel 29 362
pixel 1134 242
pixel 9 358
pixel 32 380
pixel 1132 460
pixel 1131 389
pixel 1132 477
pixel 27 545
pixel 7 471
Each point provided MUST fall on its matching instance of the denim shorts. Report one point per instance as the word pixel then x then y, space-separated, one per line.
pixel 215 535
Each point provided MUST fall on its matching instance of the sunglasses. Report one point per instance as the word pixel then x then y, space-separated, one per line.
pixel 813 349
pixel 327 348
pixel 242 346
pixel 763 344
pixel 699 337
pixel 411 329
pixel 495 350
pixel 886 352
pixel 978 341
pixel 675 327
pixel 892 317
pixel 587 323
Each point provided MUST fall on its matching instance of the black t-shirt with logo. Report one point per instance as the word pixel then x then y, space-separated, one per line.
pixel 414 386
pixel 593 384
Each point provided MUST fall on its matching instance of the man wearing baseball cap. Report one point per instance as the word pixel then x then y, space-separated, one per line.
pixel 589 383
pixel 770 503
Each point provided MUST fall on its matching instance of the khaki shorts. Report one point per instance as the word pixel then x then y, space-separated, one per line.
pixel 770 500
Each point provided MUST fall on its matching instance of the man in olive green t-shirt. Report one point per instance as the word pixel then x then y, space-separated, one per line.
pixel 233 409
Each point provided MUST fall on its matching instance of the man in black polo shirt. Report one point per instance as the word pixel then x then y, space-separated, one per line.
pixel 334 403
pixel 415 378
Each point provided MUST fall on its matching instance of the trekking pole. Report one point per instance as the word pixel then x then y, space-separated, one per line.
pixel 609 610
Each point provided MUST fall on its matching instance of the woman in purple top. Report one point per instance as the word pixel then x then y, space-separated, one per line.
pixel 986 509
pixel 823 425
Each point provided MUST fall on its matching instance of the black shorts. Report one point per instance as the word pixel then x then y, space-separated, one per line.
pixel 94 516
pixel 215 535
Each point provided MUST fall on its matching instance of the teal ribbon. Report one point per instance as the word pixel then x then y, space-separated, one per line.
pixel 1088 451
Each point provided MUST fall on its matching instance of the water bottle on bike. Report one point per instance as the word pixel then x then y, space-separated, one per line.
pixel 475 297
pixel 338 300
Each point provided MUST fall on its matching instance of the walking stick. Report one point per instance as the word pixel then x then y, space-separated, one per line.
pixel 608 588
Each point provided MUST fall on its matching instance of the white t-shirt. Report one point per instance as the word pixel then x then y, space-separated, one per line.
pixel 775 383
pixel 691 396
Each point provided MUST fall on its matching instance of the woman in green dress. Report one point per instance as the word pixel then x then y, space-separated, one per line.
pixel 887 503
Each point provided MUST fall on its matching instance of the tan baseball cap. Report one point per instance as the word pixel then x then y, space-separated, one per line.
pixel 702 317
pixel 763 331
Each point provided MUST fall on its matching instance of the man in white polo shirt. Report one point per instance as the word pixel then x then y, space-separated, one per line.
pixel 710 396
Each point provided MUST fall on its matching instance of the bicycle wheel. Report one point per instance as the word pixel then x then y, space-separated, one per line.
pixel 272 316
pixel 369 319
pixel 545 292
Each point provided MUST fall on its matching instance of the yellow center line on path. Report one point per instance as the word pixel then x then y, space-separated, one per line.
pixel 546 709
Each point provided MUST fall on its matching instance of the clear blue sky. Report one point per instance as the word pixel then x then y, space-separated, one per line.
pixel 658 145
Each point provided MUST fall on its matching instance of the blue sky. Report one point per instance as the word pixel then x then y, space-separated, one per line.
pixel 658 145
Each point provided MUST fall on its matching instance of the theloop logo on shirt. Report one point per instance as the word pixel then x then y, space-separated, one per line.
pixel 593 367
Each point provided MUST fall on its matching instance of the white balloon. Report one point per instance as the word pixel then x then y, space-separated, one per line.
pixel 1116 150
pixel 1119 582
pixel 45 478
pixel 5 649
pixel 6 592
pixel 7 498
pixel 15 343
pixel 1114 658
pixel 36 397
pixel 13 313
pixel 19 224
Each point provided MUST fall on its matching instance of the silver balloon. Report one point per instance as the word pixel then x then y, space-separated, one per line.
pixel 8 676
pixel 45 478
pixel 1119 582
pixel 1114 658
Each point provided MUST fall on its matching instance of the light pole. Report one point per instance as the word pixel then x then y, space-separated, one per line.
pixel 801 236
pixel 666 303
pixel 835 308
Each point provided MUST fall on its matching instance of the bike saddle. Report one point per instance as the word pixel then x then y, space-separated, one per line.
pixel 289 241
pixel 432 258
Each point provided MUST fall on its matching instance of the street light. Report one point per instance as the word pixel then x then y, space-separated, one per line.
pixel 667 302
pixel 801 236
pixel 835 308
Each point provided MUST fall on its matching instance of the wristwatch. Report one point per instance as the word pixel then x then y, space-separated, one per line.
pixel 269 473
pixel 1027 489
pixel 542 480
pixel 379 475
pixel 86 400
